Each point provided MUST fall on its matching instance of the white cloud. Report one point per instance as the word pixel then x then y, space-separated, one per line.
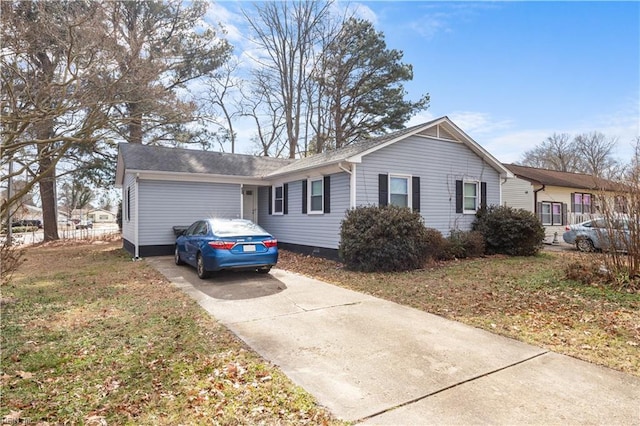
pixel 480 123
pixel 509 147
pixel 362 11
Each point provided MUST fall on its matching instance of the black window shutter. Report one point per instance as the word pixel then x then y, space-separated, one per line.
pixel 415 188
pixel 564 213
pixel 459 196
pixel 483 195
pixel 270 200
pixel 304 196
pixel 383 190
pixel 285 195
pixel 327 194
pixel 573 202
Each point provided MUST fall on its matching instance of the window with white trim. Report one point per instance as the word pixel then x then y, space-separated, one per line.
pixel 316 195
pixel 471 196
pixel 582 203
pixel 278 199
pixel 551 213
pixel 399 189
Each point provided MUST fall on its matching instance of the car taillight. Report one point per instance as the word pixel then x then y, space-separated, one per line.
pixel 567 228
pixel 270 243
pixel 221 245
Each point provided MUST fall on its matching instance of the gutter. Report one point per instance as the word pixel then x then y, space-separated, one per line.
pixel 535 197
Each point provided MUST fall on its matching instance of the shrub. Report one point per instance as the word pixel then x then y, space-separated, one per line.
pixel 515 232
pixel 383 239
pixel 435 244
pixel 463 244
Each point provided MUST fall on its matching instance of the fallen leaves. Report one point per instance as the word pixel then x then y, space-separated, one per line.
pixel 97 339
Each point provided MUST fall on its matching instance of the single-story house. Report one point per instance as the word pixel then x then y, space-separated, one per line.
pixel 434 168
pixel 557 198
pixel 101 216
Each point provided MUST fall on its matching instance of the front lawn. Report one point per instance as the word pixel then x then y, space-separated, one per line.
pixel 89 336
pixel 525 298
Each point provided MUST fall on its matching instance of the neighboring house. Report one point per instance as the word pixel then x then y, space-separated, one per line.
pixel 101 216
pixel 433 168
pixel 27 212
pixel 557 198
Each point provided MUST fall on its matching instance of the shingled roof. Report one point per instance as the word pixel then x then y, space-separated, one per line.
pixel 164 159
pixel 564 179
pixel 176 160
pixel 341 154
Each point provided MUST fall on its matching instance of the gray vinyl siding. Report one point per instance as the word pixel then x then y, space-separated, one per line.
pixel 128 224
pixel 164 204
pixel 518 193
pixel 316 230
pixel 439 164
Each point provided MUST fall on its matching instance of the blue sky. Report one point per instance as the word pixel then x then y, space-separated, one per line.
pixel 511 74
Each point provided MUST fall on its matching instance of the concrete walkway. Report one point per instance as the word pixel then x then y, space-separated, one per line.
pixel 373 361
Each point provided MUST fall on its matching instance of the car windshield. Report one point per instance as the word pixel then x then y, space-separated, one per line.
pixel 236 227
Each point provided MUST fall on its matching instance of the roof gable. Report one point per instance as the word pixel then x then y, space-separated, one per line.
pixel 441 128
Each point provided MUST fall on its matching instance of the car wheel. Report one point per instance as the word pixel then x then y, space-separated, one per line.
pixel 177 257
pixel 585 245
pixel 202 272
pixel 264 270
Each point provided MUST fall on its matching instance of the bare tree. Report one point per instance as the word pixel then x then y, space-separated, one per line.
pixel 268 115
pixel 220 103
pixel 595 151
pixel 286 32
pixel 557 152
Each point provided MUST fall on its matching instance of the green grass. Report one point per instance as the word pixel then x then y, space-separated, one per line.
pixel 89 335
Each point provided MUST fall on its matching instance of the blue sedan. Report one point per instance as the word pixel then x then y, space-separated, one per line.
pixel 215 244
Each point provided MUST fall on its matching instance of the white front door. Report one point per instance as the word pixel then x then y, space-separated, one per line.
pixel 250 203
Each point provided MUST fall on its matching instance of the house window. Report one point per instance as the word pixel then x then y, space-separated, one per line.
pixel 470 197
pixel 551 213
pixel 556 214
pixel 399 191
pixel 582 203
pixel 316 192
pixel 128 210
pixel 278 200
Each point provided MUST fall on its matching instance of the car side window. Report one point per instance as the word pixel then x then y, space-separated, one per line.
pixel 192 229
pixel 205 228
pixel 201 229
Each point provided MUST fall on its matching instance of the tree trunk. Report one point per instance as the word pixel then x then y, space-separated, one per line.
pixel 47 184
pixel 135 122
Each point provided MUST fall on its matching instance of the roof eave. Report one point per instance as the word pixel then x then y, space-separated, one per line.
pixel 197 177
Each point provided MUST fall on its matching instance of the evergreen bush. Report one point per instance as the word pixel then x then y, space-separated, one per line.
pixel 383 239
pixel 515 232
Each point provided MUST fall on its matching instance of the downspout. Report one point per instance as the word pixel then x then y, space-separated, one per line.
pixel 242 201
pixel 535 198
pixel 135 218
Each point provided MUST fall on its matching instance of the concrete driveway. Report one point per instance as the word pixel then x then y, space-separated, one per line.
pixel 373 361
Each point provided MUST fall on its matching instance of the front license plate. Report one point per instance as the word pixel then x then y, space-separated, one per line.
pixel 249 247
